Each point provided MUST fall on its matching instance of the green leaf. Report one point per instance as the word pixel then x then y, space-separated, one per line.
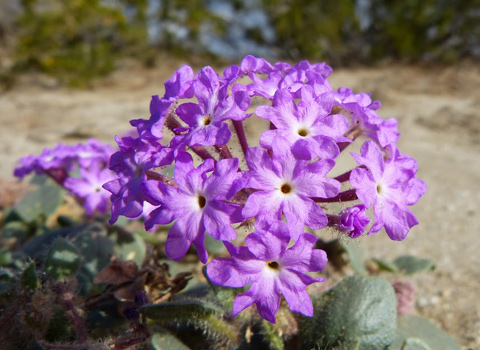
pixel 386 265
pixel 63 259
pixel 43 201
pixel 129 246
pixel 408 264
pixel 415 344
pixel 355 255
pixel 5 256
pixel 273 335
pixel 225 296
pixel 184 310
pixel 15 229
pixel 424 331
pixel 29 278
pixel 95 248
pixel 214 246
pixel 163 340
pixel 359 309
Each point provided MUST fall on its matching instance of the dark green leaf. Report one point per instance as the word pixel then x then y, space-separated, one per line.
pixel 29 278
pixel 185 310
pixel 163 340
pixel 63 259
pixel 95 249
pixel 15 229
pixel 129 246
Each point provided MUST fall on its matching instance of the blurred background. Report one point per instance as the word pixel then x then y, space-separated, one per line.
pixel 79 40
pixel 74 69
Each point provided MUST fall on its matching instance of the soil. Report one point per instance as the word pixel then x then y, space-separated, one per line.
pixel 438 113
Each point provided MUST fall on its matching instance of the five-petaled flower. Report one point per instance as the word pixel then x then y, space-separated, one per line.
pixel 272 269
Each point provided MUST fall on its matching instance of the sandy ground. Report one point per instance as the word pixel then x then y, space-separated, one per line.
pixel 438 113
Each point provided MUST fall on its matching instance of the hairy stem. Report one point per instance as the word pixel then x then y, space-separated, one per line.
pixel 238 125
pixel 167 180
pixel 346 196
pixel 343 177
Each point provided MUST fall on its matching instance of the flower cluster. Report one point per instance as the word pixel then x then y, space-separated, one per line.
pixel 81 169
pixel 288 183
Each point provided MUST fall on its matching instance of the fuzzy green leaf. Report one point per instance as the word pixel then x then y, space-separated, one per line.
pixel 63 259
pixel 273 335
pixel 29 278
pixel 355 255
pixel 5 256
pixel 423 330
pixel 95 249
pixel 359 309
pixel 185 310
pixel 129 246
pixel 214 246
pixel 386 265
pixel 43 201
pixel 415 344
pixel 163 340
pixel 408 264
pixel 225 296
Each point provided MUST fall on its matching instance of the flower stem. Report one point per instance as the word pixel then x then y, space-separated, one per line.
pixel 346 196
pixel 343 177
pixel 238 125
pixel 223 151
pixel 167 180
pixel 201 152
pixel 172 123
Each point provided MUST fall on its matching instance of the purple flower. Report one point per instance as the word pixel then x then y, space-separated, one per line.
pixel 272 269
pixel 285 185
pixel 310 129
pixel 130 163
pixel 60 161
pixel 206 120
pixel 88 187
pixel 198 204
pixel 389 186
pixel 152 129
pixel 353 221
pixel 178 86
pixel 251 64
pixel 303 73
